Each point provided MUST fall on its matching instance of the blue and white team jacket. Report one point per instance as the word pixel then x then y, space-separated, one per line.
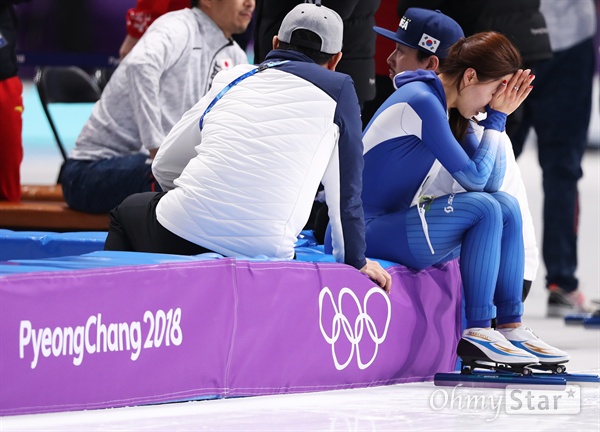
pixel 409 135
pixel 245 183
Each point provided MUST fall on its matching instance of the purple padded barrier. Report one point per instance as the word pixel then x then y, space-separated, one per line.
pixel 220 328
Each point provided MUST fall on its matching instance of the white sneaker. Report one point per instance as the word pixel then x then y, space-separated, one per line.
pixel 486 344
pixel 562 303
pixel 522 337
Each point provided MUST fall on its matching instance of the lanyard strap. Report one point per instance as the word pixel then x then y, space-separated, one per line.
pixel 260 68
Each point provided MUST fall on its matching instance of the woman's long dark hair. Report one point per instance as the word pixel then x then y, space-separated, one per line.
pixel 491 54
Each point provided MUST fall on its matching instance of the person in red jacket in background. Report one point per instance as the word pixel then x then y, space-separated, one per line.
pixel 11 106
pixel 139 18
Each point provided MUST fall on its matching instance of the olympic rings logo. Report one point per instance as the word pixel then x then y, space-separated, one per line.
pixel 354 333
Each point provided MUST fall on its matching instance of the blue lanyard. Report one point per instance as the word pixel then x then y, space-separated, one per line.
pixel 261 68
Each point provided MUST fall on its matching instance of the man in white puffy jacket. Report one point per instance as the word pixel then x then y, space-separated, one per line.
pixel 242 167
pixel 171 67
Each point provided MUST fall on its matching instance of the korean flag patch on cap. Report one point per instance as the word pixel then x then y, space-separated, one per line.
pixel 429 43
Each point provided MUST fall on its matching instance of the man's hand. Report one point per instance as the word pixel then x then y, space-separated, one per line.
pixel 377 274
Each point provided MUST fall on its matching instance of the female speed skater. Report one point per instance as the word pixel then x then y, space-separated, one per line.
pixel 423 126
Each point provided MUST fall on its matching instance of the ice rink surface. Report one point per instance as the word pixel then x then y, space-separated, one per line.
pixel 410 407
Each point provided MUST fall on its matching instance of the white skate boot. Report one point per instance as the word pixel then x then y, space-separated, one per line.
pixel 487 347
pixel 522 337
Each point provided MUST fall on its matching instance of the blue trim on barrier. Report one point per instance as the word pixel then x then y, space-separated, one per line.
pixel 16 245
pixel 104 259
pixel 29 251
pixel 99 259
pixel 38 244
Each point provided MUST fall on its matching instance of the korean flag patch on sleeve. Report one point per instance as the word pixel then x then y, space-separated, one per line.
pixel 429 43
pixel 225 63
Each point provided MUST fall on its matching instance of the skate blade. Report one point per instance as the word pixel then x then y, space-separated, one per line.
pixel 520 369
pixel 491 379
pixel 592 323
pixel 576 319
pixel 545 370
pixel 584 380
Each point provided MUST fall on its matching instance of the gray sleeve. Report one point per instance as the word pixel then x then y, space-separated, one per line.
pixel 160 47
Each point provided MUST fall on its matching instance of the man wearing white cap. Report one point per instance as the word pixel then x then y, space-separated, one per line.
pixel 243 165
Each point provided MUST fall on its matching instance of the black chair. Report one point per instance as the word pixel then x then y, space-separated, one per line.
pixel 102 76
pixel 64 85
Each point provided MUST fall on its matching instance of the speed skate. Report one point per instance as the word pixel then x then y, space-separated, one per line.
pixel 589 320
pixel 515 356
